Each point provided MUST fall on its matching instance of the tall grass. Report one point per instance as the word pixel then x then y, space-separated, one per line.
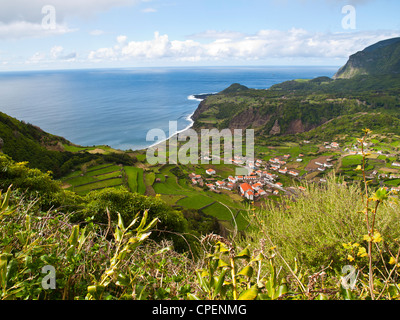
pixel 313 227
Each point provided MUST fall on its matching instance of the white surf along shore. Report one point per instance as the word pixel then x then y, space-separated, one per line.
pixel 188 118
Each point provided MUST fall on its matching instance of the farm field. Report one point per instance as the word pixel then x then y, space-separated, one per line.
pixel 135 179
pixel 93 178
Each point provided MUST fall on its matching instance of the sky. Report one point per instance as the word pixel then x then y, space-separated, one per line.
pixel 75 34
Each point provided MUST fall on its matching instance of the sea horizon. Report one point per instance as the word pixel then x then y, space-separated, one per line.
pixel 118 106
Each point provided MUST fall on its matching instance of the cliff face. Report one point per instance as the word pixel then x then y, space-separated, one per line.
pixel 380 58
pixel 200 109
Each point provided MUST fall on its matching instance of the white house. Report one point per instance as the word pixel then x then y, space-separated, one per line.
pixel 293 173
pixel 247 191
pixel 210 172
pixel 232 179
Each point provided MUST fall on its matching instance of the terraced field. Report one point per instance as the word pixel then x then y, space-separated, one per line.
pixel 95 178
pixel 135 179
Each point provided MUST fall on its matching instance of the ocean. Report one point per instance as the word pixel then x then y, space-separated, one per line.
pixel 117 107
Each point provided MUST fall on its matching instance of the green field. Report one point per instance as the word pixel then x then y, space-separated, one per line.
pixel 352 161
pixel 135 179
pixel 196 201
pixel 93 178
pixel 102 149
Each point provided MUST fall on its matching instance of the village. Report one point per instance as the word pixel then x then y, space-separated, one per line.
pixel 261 181
pixel 265 178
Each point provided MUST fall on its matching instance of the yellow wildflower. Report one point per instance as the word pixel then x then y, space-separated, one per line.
pixel 362 252
pixel 392 260
pixel 377 237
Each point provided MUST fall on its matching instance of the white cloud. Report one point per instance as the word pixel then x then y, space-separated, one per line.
pixel 37 57
pixel 56 54
pixel 23 29
pixel 122 39
pixel 264 45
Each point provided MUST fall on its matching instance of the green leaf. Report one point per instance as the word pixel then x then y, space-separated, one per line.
pixel 380 195
pixel 244 254
pixel 96 291
pixel 259 257
pixel 73 239
pixel 144 236
pixel 3 269
pixel 6 199
pixel 393 291
pixel 220 281
pixel 202 281
pixel 192 297
pixel 122 280
pixel 132 223
pixel 246 271
pixel 142 222
pixel 222 264
pixel 250 294
pixel 282 290
pixel 222 247
pixel 151 225
pixel 121 223
pixel 118 234
pixel 12 269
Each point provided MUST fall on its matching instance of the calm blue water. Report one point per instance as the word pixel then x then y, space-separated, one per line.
pixel 118 107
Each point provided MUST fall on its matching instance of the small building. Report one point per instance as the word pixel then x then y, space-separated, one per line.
pixel 249 195
pixel 261 192
pixel 232 179
pixel 283 171
pixel 257 186
pixel 219 184
pixel 210 172
pixel 293 173
pixel 250 178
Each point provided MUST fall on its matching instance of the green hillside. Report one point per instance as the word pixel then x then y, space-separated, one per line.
pixel 380 58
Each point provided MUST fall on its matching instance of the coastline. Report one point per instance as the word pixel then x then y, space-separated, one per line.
pixel 197 97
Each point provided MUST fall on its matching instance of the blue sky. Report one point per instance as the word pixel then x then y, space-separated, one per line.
pixel 59 34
